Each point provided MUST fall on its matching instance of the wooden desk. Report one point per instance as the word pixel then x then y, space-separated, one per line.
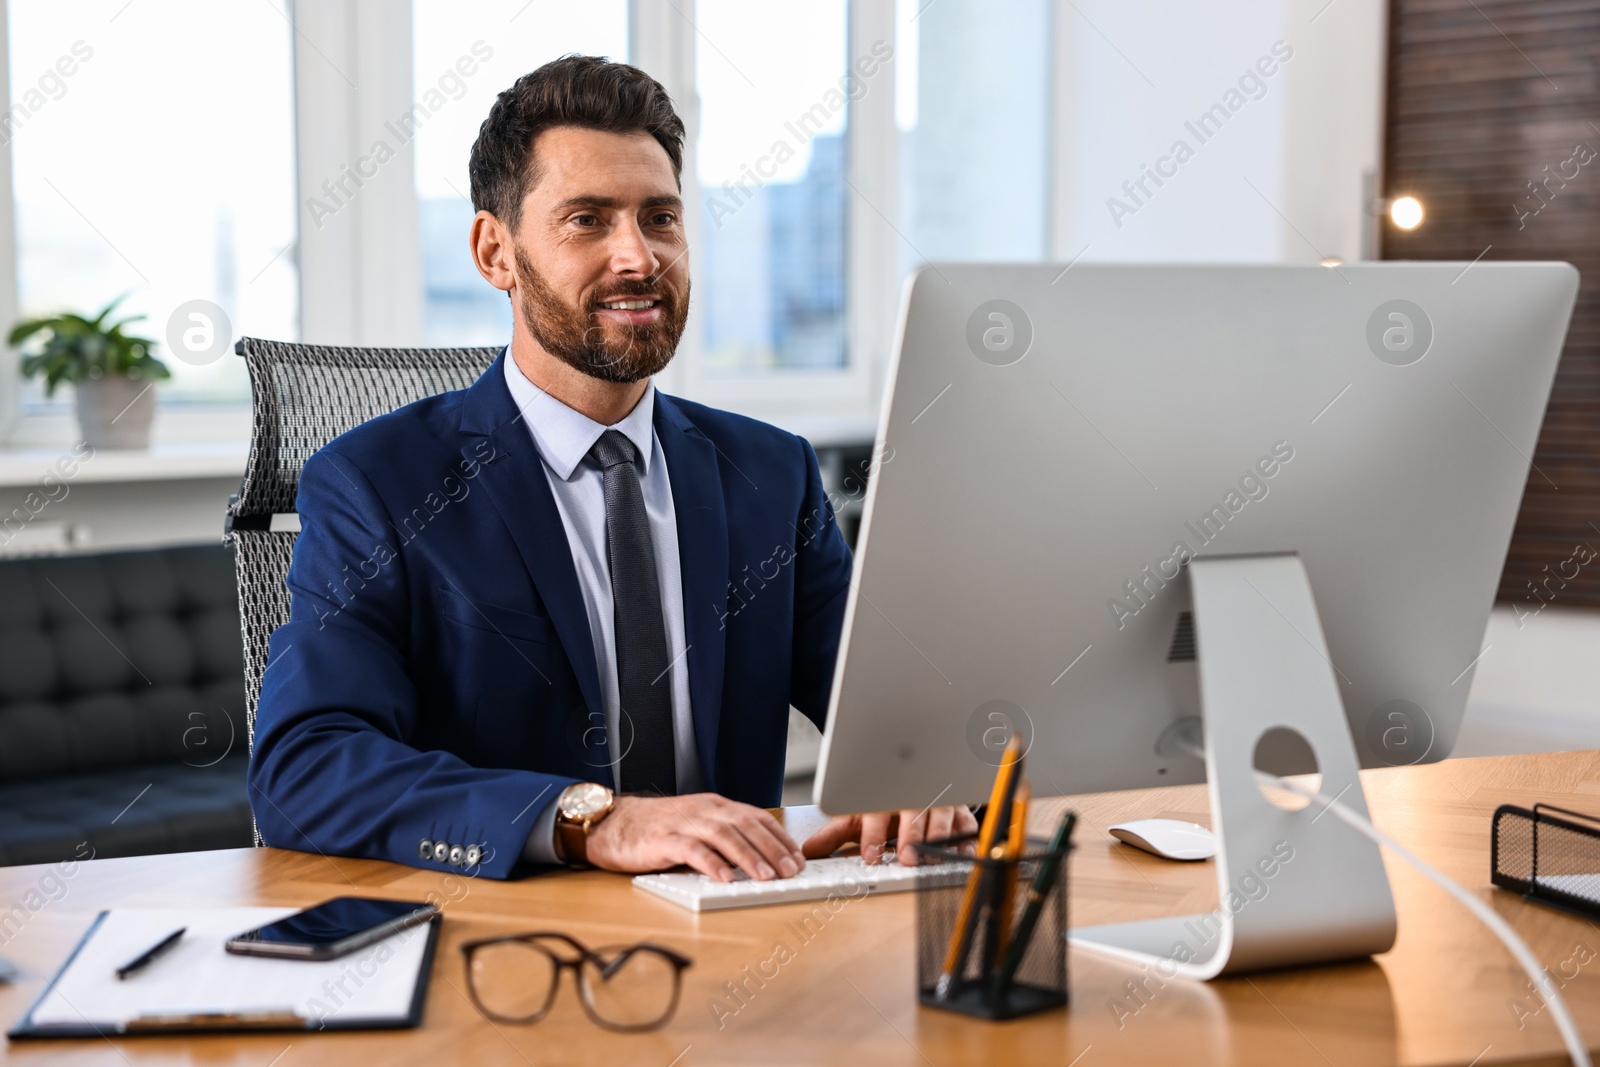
pixel 1446 993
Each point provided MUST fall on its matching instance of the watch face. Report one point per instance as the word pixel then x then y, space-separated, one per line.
pixel 585 799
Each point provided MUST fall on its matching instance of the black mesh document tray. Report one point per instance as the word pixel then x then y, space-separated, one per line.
pixel 1549 854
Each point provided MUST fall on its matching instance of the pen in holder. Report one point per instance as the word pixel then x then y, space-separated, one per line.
pixel 989 930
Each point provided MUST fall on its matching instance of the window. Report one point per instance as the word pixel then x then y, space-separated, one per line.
pixel 501 41
pixel 972 107
pixel 771 168
pixel 153 157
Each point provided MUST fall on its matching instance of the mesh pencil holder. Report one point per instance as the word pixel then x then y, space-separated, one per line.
pixel 968 978
pixel 1548 854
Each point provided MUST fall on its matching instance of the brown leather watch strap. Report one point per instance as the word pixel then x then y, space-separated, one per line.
pixel 572 841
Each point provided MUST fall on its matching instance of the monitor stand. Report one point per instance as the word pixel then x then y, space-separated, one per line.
pixel 1294 887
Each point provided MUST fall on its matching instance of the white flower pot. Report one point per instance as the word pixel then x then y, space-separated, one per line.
pixel 115 412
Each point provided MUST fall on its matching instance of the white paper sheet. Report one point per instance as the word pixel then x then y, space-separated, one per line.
pixel 1579 885
pixel 197 976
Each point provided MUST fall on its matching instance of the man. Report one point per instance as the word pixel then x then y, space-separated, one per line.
pixel 559 617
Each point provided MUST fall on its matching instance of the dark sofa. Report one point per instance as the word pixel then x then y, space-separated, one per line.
pixel 121 705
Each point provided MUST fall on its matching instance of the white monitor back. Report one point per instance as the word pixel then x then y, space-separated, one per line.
pixel 1055 442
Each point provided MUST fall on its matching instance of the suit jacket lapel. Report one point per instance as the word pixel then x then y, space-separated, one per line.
pixel 513 476
pixel 702 520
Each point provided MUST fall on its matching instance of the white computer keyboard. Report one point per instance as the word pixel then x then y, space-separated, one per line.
pixel 844 876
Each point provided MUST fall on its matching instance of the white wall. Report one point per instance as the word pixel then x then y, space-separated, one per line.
pixel 1280 181
pixel 1536 687
pixel 1333 137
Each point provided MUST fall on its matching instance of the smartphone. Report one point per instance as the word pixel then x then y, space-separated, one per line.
pixel 331 929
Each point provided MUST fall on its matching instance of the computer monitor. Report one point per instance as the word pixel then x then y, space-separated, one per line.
pixel 1053 440
pixel 1060 445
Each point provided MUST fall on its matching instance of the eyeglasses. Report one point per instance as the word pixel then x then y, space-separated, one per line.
pixel 514 979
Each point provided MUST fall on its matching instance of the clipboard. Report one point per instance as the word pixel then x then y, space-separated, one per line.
pixel 197 987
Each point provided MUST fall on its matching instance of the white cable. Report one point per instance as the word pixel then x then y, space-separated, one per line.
pixel 1487 915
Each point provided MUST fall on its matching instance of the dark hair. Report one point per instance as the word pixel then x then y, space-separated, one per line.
pixel 587 91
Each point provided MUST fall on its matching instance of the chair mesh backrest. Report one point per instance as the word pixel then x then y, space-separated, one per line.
pixel 302 397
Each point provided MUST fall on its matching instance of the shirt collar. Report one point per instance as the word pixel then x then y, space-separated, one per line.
pixel 563 435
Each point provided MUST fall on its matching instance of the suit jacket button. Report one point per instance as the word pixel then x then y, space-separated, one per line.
pixel 456 855
pixel 474 854
pixel 441 851
pixel 425 849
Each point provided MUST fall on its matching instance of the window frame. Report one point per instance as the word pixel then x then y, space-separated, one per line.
pixel 663 41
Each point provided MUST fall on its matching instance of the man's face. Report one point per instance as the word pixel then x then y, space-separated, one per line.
pixel 601 257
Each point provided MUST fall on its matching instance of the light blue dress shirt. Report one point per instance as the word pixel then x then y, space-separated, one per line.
pixel 563 438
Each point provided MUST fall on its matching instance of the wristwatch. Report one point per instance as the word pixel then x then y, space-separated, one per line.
pixel 578 809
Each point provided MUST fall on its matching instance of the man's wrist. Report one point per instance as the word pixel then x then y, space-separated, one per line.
pixel 579 809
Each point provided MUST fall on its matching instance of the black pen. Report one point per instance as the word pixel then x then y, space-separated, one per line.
pixel 1043 882
pixel 149 955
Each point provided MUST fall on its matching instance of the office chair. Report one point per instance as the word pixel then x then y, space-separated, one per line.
pixel 302 397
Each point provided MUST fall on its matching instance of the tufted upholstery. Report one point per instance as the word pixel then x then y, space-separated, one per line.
pixel 117 672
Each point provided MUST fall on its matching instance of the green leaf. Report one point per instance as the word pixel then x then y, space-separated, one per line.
pixel 68 347
pixel 24 330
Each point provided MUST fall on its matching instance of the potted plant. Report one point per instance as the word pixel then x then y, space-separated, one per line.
pixel 113 372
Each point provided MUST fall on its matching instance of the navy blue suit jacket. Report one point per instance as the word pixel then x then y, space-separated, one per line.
pixel 437 680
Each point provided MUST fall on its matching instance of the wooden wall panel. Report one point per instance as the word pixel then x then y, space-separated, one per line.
pixel 1488 98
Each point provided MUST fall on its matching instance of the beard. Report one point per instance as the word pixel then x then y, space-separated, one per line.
pixel 612 352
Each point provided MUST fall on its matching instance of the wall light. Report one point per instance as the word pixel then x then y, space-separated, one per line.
pixel 1406 212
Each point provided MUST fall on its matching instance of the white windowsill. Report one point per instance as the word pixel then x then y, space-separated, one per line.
pixel 212 442
pixel 161 463
pixel 831 430
pixel 187 442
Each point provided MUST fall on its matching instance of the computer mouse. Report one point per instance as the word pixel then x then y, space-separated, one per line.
pixel 1171 839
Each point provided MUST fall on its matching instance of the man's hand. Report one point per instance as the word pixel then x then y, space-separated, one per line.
pixel 708 832
pixel 908 827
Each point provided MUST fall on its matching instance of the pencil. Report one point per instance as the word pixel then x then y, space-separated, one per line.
pixel 994 887
pixel 1016 840
pixel 960 936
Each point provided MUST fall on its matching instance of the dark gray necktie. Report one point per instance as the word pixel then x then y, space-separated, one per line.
pixel 643 676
